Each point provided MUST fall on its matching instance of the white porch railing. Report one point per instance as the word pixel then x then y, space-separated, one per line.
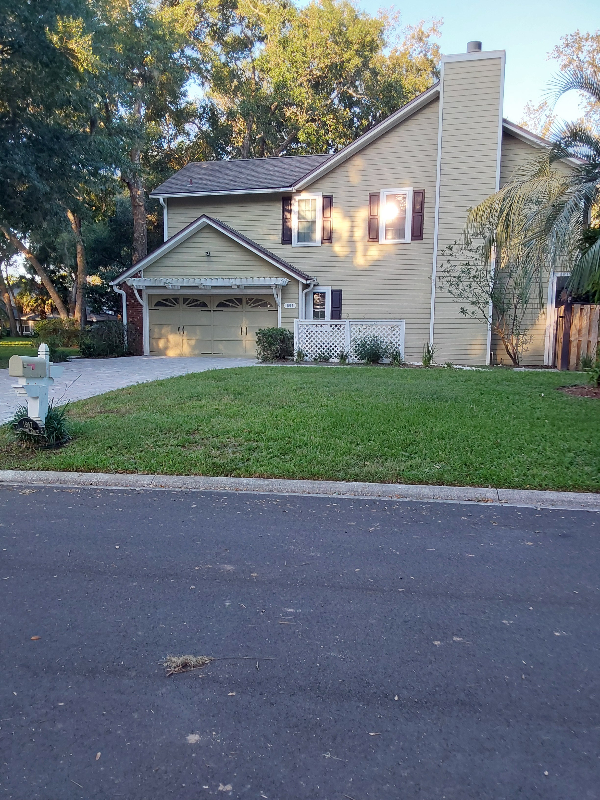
pixel 320 337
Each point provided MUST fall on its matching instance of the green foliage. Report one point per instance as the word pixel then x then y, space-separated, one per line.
pixel 323 356
pixel 57 332
pixel 342 357
pixel 395 356
pixel 54 433
pixel 274 344
pixel 428 354
pixel 109 339
pixel 371 349
pixel 592 367
pixel 299 356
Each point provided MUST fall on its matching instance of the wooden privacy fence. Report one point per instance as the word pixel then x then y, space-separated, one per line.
pixel 576 334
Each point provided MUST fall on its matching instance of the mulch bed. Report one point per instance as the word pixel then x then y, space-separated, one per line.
pixel 581 391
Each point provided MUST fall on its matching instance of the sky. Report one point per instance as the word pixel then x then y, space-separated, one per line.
pixel 526 29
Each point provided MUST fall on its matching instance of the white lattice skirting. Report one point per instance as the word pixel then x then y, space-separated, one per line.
pixel 323 337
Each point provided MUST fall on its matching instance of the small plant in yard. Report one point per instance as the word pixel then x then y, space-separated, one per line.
pixel 428 354
pixel 323 356
pixel 299 356
pixel 343 357
pixel 371 349
pixel 449 365
pixel 396 357
pixel 274 344
pixel 54 433
pixel 586 363
pixel 594 372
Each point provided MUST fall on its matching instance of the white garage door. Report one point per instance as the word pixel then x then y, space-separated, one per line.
pixel 203 325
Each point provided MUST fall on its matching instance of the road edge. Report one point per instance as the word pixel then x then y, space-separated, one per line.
pixel 571 501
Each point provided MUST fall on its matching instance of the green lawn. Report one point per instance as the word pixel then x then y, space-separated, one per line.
pixel 23 347
pixel 440 426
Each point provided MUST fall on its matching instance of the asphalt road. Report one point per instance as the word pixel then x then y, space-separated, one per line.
pixel 431 651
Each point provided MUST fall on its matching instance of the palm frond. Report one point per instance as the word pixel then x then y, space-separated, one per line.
pixel 586 269
pixel 575 79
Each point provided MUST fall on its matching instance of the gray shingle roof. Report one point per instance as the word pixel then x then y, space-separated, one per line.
pixel 242 174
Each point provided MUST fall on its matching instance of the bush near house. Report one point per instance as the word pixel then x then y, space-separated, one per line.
pixel 274 344
pixel 58 333
pixel 109 339
pixel 371 349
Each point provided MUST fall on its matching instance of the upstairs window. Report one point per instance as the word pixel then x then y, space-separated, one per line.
pixel 395 215
pixel 307 220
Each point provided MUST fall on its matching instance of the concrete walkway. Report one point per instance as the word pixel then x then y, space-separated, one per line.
pixel 86 377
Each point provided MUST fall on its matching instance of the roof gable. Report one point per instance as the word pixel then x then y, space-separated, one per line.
pixel 279 174
pixel 226 230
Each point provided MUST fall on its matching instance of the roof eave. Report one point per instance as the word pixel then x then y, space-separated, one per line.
pixel 225 192
pixel 532 138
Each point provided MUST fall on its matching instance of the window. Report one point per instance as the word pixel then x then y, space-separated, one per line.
pixel 324 303
pixel 395 215
pixel 319 305
pixel 307 220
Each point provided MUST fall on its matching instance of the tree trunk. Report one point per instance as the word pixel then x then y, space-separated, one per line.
pixel 80 283
pixel 138 208
pixel 43 275
pixel 14 331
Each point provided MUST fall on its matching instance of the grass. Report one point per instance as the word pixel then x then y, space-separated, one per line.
pixel 491 428
pixel 22 347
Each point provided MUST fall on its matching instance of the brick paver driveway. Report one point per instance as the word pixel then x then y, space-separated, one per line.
pixel 86 377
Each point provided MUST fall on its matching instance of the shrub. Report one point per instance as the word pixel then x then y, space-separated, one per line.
pixel 274 344
pixel 395 356
pixel 323 356
pixel 58 332
pixel 107 339
pixel 594 371
pixel 371 349
pixel 300 356
pixel 57 354
pixel 54 433
pixel 428 354
pixel 342 357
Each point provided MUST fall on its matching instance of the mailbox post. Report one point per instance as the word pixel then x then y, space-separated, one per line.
pixel 35 376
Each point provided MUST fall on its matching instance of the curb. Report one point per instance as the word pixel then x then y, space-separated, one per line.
pixel 570 501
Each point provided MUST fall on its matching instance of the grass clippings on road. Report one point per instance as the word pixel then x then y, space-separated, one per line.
pixel 441 426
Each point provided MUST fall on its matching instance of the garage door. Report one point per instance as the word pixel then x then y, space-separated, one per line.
pixel 183 325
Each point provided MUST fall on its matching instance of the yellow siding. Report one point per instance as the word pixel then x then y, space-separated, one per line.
pixel 377 281
pixel 470 132
pixel 228 259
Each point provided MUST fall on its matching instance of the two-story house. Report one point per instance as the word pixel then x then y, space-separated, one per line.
pixel 353 235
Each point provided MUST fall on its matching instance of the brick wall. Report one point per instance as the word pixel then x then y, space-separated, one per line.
pixel 135 320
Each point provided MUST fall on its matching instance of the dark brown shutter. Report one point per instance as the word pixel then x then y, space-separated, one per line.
pixel 418 214
pixel 336 304
pixel 327 220
pixel 286 220
pixel 374 217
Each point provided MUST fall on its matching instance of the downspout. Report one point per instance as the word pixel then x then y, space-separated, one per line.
pixel 311 285
pixel 124 312
pixel 165 220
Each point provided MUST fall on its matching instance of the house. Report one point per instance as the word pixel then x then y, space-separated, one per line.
pixel 311 242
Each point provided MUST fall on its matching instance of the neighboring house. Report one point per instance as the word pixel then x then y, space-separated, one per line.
pixel 355 235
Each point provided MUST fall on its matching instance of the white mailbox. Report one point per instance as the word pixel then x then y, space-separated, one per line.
pixel 26 367
pixel 35 376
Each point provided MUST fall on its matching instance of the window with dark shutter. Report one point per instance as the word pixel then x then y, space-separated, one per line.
pixel 374 217
pixel 327 236
pixel 418 213
pixel 336 304
pixel 286 220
